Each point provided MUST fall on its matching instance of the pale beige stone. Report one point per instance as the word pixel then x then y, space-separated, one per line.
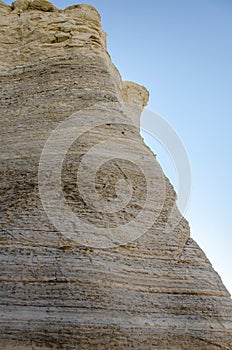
pixel 21 5
pixel 158 292
pixel 4 8
pixel 42 5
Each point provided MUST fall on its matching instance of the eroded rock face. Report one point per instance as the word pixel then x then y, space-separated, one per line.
pixel 158 291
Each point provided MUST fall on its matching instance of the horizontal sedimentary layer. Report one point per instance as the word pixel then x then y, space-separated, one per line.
pixel 158 291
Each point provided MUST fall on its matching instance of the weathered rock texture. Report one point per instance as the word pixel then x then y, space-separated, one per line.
pixel 158 292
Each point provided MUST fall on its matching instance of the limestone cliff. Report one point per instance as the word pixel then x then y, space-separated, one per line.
pixel 158 291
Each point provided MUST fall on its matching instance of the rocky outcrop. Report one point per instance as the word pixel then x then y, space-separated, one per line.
pixel 78 288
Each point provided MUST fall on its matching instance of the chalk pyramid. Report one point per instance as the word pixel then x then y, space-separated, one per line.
pixel 94 252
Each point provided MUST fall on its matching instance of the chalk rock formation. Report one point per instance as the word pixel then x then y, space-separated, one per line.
pixel 70 289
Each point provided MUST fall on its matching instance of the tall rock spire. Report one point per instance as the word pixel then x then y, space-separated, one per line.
pixel 89 257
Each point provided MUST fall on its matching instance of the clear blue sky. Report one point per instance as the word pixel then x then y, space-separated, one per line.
pixel 182 52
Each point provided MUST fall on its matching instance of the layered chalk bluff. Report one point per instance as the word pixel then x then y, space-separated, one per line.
pixel 77 289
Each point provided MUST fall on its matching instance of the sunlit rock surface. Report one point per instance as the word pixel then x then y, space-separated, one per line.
pixel 158 291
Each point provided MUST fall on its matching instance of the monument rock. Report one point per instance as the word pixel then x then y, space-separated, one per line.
pixel 94 251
